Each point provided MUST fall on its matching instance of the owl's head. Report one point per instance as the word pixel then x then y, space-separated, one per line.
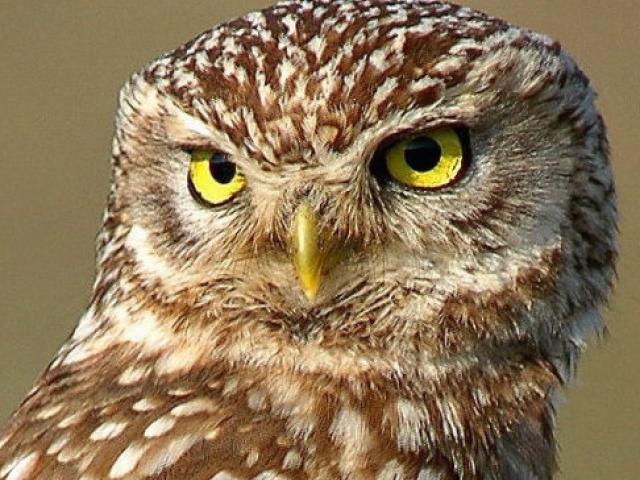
pixel 355 178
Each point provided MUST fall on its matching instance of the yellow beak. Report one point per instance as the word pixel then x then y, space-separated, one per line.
pixel 307 258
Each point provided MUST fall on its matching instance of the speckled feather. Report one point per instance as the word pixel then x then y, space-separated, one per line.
pixel 435 351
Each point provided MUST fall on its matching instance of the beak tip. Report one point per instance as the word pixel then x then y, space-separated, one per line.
pixel 310 287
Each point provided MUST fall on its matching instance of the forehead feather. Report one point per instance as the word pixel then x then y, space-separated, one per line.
pixel 313 74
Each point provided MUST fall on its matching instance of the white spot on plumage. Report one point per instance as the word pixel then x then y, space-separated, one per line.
pixel 144 330
pixel 289 401
pixel 58 444
pixel 451 419
pixel 290 22
pixel 256 400
pixel 160 426
pixel 317 45
pixel 203 62
pixel 257 19
pixel 383 92
pixel 108 431
pixel 128 460
pixel 412 422
pixel 265 36
pixel 350 432
pixel 266 94
pixel 319 12
pixel 252 458
pixel 392 470
pixel 186 80
pixel 49 412
pixel 194 407
pixel 5 439
pixel 214 385
pixel 22 467
pixel 72 420
pixel 88 323
pixel 422 84
pixel 424 27
pixel 477 24
pixel 168 454
pixel 69 454
pixel 177 360
pixel 180 392
pixel 354 76
pixel 332 81
pixel 429 474
pixel 213 39
pixel 223 475
pixel 350 429
pixel 88 476
pixel 306 6
pixel 448 65
pixel 231 46
pixel 286 70
pixel 292 460
pixel 230 387
pixel 378 60
pixel 77 354
pixel 229 67
pixel 269 475
pixel 464 45
pixel 146 405
pixel 180 125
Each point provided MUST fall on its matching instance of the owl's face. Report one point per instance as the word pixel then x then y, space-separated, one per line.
pixel 344 240
pixel 362 177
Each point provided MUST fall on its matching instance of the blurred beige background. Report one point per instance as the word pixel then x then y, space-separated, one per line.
pixel 61 65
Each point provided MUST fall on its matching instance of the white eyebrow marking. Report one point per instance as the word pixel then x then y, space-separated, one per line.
pixel 191 125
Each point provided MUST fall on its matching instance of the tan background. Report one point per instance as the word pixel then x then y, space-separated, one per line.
pixel 61 65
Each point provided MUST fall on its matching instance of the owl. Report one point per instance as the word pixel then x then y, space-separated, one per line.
pixel 360 240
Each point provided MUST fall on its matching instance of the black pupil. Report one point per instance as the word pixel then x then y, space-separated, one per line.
pixel 423 154
pixel 222 170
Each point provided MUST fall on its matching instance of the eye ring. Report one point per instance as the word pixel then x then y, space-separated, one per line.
pixel 426 161
pixel 213 179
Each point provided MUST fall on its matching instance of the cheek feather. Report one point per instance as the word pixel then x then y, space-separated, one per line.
pixel 150 264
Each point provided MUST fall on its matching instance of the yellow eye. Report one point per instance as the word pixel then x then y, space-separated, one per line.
pixel 432 160
pixel 213 178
